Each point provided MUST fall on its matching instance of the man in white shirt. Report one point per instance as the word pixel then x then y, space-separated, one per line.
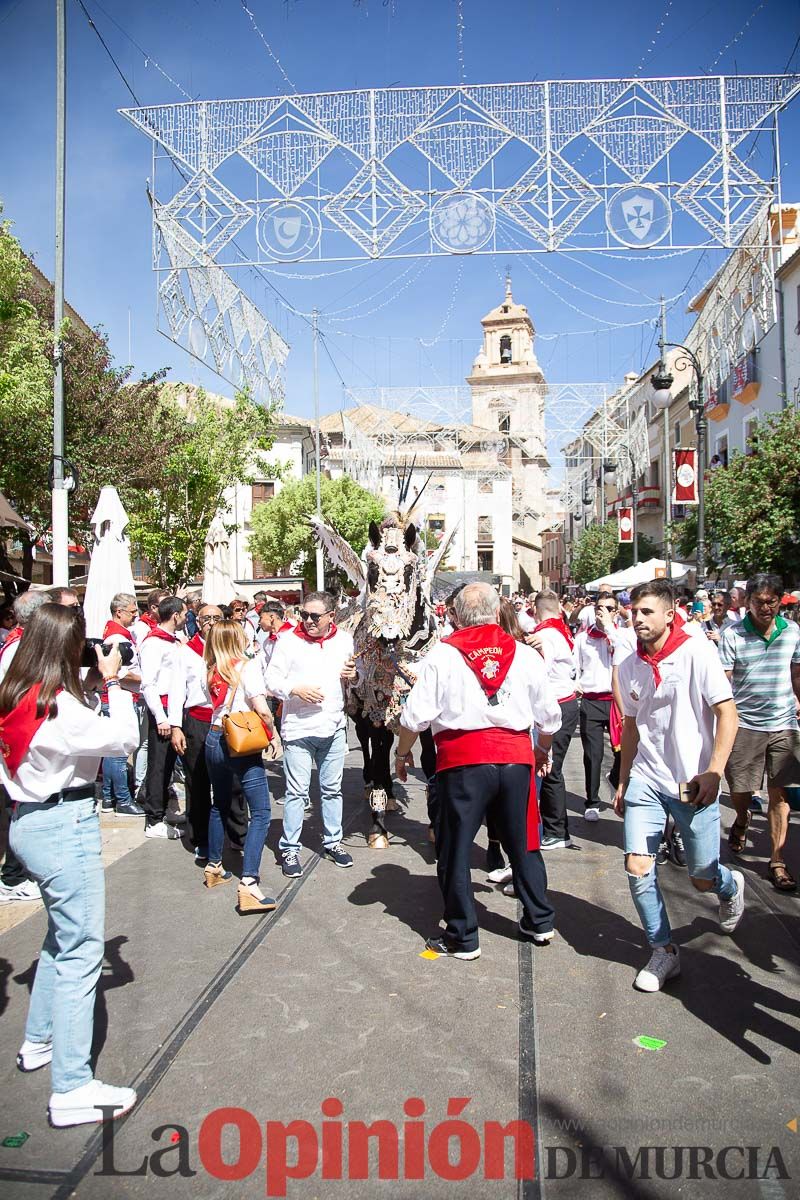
pixel 158 656
pixel 189 714
pixel 527 623
pixel 553 639
pixel 149 618
pixel 307 671
pixel 116 795
pixel 597 649
pixel 680 725
pixel 482 694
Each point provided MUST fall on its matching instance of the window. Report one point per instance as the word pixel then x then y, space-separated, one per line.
pixel 797 326
pixel 676 434
pixel 504 422
pixel 505 348
pixel 484 529
pixel 721 448
pixel 436 523
pixel 261 492
pixel 751 435
pixel 485 560
pixel 652 480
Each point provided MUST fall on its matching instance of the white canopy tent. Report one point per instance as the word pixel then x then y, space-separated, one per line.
pixel 218 585
pixel 641 573
pixel 110 567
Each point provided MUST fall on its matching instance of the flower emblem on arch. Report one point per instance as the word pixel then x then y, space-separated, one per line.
pixel 462 222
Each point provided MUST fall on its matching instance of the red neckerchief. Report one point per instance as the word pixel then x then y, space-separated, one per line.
pixel 162 634
pixel 273 637
pixel 301 633
pixel 197 644
pixel 676 638
pixel 114 627
pixel 14 635
pixel 560 625
pixel 146 619
pixel 598 634
pixel 488 651
pixel 19 727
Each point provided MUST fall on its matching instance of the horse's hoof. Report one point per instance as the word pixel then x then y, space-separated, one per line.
pixel 378 841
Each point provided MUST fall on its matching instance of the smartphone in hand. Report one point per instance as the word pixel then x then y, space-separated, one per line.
pixel 687 792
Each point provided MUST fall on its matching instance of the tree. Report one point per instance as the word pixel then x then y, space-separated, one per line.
pixel 281 534
pixel 214 449
pixel 598 552
pixel 753 505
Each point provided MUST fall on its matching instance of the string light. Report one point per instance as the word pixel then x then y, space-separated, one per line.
pixel 267 46
pixel 421 268
pixel 148 58
pixel 450 308
pixel 462 71
pixel 649 50
pixel 739 35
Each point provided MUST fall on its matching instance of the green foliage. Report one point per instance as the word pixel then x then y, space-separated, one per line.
pixel 597 552
pixel 281 534
pixel 170 461
pixel 753 506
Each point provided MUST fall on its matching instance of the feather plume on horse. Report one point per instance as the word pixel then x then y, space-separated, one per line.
pixel 393 627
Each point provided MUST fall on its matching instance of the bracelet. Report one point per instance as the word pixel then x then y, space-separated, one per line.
pixel 112 679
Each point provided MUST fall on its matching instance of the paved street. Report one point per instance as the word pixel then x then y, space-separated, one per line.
pixel 201 1009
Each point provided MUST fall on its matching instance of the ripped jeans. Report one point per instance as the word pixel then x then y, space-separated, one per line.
pixel 646 810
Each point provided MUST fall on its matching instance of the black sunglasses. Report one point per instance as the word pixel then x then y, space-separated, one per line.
pixel 314 618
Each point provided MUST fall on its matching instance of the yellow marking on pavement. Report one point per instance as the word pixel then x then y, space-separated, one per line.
pixel 429 954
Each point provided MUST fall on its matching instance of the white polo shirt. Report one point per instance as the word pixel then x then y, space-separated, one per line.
pixel 316 663
pixel 595 657
pixel 559 661
pixel 675 722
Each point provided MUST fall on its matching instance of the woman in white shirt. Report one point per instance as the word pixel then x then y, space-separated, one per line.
pixel 52 743
pixel 236 684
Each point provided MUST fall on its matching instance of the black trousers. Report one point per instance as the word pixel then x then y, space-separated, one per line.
pixel 595 717
pixel 553 794
pixel 198 786
pixel 465 793
pixel 12 871
pixel 160 765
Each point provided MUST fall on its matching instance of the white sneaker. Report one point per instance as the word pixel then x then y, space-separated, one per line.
pixel 84 1105
pixel 33 1055
pixel 161 830
pixel 499 875
pixel 730 911
pixel 663 965
pixel 554 843
pixel 592 813
pixel 27 890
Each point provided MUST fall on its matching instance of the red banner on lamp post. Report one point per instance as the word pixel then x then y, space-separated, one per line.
pixel 625 525
pixel 685 491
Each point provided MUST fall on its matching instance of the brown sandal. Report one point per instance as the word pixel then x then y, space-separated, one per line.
pixel 780 878
pixel 737 837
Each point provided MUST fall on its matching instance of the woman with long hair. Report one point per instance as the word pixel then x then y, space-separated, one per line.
pixel 236 684
pixel 51 745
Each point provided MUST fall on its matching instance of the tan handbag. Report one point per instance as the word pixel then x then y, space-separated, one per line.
pixel 244 732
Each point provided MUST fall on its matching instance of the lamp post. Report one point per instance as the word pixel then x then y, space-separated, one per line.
pixel 662 381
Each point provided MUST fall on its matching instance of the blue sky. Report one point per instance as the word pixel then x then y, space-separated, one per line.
pixel 591 327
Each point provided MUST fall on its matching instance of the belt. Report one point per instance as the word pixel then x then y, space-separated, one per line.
pixel 84 792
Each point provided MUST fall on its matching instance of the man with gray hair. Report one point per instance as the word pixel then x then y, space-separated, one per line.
pixel 483 694
pixel 15 883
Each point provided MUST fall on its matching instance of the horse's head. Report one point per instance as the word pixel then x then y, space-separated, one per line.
pixel 395 573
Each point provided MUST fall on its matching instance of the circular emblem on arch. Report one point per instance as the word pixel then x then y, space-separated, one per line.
pixel 639 215
pixel 462 222
pixel 287 230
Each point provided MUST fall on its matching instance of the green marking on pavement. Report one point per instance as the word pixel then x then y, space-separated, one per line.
pixel 648 1043
pixel 15 1141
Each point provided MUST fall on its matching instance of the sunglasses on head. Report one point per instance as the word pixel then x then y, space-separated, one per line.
pixel 314 618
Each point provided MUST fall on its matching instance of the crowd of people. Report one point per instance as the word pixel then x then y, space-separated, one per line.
pixel 682 693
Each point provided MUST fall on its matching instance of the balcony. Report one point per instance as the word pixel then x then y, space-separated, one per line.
pixel 649 500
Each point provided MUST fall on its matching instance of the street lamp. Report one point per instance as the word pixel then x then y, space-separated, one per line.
pixel 661 381
pixel 610 469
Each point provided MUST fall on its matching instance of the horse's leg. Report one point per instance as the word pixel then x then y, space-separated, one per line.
pixel 363 731
pixel 382 739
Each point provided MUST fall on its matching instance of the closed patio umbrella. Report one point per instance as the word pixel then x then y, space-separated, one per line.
pixel 110 567
pixel 218 585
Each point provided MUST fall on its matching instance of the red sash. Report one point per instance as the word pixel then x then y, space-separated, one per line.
pixel 197 644
pixel 676 638
pixel 114 627
pixel 161 634
pixel 14 636
pixel 468 748
pixel 560 625
pixel 301 633
pixel 488 651
pixel 18 728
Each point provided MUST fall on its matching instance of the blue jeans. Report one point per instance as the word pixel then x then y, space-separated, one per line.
pixel 60 847
pixel 115 776
pixel 251 774
pixel 646 810
pixel 298 759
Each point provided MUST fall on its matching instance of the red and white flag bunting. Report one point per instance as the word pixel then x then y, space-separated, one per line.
pixel 625 525
pixel 685 490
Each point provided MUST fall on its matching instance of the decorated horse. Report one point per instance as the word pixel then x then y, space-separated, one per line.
pixel 393 626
